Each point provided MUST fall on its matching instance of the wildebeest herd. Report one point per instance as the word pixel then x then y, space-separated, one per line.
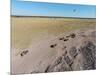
pixel 51 46
pixel 73 35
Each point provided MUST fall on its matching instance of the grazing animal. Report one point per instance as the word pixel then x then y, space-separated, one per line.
pixel 65 39
pixel 21 54
pixel 24 53
pixel 72 35
pixel 52 46
pixel 61 38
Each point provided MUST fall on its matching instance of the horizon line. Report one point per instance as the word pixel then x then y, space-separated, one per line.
pixel 53 17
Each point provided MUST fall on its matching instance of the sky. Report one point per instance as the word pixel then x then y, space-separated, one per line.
pixel 27 8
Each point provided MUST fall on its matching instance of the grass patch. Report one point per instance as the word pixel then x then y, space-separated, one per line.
pixel 24 30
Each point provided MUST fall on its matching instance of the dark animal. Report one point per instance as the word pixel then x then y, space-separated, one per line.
pixel 61 38
pixel 72 35
pixel 65 39
pixel 52 46
pixel 24 52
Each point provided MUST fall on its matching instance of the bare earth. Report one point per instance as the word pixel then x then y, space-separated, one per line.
pixel 41 45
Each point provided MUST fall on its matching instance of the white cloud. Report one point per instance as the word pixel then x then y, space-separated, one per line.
pixel 86 2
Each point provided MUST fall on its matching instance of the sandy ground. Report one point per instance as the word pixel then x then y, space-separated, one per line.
pixel 40 54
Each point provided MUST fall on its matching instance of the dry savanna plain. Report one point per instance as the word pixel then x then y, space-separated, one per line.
pixel 38 44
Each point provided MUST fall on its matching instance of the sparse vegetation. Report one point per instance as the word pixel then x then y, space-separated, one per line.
pixel 24 29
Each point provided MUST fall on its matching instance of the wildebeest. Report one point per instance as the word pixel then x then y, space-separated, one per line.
pixel 61 38
pixel 65 39
pixel 52 46
pixel 24 52
pixel 72 35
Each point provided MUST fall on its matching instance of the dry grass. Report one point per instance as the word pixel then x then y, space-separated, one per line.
pixel 24 30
